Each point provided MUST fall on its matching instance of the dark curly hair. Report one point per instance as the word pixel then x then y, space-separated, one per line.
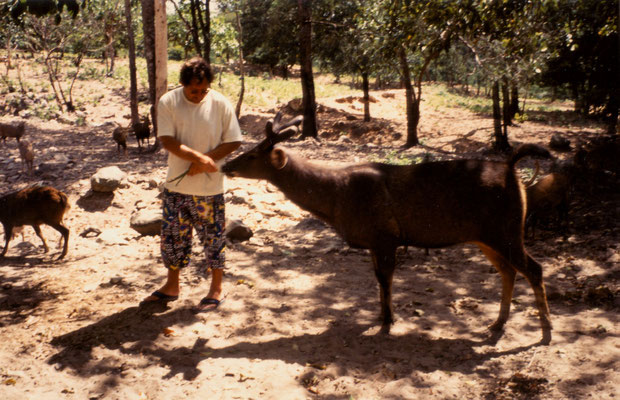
pixel 195 68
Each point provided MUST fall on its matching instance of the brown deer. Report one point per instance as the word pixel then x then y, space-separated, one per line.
pixel 549 194
pixel 34 206
pixel 26 152
pixel 8 129
pixel 430 205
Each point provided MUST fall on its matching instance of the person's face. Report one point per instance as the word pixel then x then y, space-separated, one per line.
pixel 196 90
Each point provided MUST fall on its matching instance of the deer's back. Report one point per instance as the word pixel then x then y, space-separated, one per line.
pixel 432 204
pixel 34 205
pixel 11 130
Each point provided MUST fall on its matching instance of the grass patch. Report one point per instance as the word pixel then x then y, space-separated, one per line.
pixel 441 97
pixel 267 92
pixel 398 158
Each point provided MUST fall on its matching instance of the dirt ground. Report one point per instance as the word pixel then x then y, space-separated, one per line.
pixel 300 319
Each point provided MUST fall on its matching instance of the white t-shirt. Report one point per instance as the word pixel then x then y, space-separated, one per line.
pixel 202 127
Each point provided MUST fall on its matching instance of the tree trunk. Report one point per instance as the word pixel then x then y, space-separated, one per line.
pixel 148 27
pixel 112 58
pixel 366 88
pixel 514 100
pixel 241 69
pixel 205 24
pixel 501 141
pixel 78 63
pixel 506 105
pixel 613 102
pixel 8 54
pixel 413 107
pixel 525 95
pixel 154 27
pixel 613 123
pixel 193 5
pixel 309 128
pixel 107 52
pixel 133 85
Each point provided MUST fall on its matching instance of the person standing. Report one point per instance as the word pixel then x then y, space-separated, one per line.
pixel 198 127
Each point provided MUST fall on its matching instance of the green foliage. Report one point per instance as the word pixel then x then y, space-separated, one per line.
pixel 260 91
pixel 176 53
pixel 80 121
pixel 224 43
pixel 584 54
pixel 46 113
pixel 440 97
pixel 270 31
pixel 398 158
pixel 521 117
pixel 178 34
pixel 92 72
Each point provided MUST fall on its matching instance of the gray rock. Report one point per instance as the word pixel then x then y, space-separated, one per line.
pixel 146 222
pixel 343 139
pixel 236 230
pixel 107 179
pixel 112 237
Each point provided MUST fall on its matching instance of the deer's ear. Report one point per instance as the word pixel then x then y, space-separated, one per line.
pixel 278 158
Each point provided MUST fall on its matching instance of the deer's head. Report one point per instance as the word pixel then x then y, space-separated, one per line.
pixel 260 161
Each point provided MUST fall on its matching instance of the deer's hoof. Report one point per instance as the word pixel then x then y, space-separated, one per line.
pixel 546 339
pixel 385 329
pixel 497 326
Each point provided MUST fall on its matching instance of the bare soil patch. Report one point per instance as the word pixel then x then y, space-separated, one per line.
pixel 300 320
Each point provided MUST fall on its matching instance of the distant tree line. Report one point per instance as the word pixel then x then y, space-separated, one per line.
pixel 500 46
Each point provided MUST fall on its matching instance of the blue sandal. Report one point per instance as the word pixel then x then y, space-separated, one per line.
pixel 162 298
pixel 206 305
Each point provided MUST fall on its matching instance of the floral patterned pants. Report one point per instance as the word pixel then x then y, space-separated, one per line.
pixel 205 214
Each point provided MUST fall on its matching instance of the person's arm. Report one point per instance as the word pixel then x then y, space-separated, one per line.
pixel 200 162
pixel 223 150
pixel 215 155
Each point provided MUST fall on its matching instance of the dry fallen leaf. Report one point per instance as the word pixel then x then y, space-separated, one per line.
pixel 317 365
pixel 169 332
pixel 243 378
pixel 244 282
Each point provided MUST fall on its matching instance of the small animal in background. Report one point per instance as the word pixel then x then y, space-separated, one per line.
pixel 120 137
pixel 27 154
pixel 8 129
pixel 142 130
pixel 34 206
pixel 550 194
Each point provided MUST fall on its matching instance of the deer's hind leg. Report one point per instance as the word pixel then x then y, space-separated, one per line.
pixel 508 274
pixel 37 230
pixel 384 261
pixel 515 258
pixel 533 273
pixel 64 231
